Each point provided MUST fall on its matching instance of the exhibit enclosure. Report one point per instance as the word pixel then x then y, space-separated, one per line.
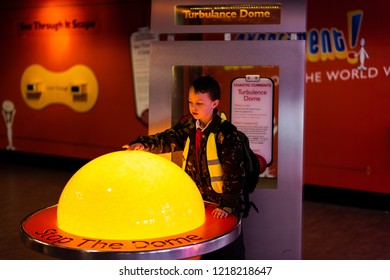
pixel 262 85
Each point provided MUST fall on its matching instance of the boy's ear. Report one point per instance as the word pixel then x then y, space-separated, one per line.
pixel 215 103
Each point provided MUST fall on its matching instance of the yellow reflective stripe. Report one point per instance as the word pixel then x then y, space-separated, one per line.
pixel 214 165
pixel 213 161
pixel 185 154
pixel 223 117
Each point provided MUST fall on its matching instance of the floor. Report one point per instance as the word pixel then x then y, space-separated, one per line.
pixel 334 232
pixel 331 231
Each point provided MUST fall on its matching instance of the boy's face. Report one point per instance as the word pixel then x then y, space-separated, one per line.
pixel 201 106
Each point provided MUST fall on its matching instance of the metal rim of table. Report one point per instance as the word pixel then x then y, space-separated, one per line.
pixel 180 252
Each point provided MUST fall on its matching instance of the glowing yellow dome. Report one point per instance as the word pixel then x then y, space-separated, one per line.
pixel 130 195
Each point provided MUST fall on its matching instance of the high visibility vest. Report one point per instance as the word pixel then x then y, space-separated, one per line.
pixel 213 163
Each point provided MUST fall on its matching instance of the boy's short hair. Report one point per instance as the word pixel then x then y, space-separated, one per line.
pixel 208 84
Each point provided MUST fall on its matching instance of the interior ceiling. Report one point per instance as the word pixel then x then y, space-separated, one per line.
pixel 22 4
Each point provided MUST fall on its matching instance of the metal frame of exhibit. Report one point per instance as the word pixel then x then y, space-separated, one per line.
pixel 32 240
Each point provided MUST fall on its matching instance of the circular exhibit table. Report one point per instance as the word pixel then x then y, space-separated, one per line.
pixel 39 232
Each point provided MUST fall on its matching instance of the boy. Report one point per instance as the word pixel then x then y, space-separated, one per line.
pixel 191 136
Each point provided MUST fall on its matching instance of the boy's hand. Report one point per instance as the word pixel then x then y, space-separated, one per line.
pixel 219 213
pixel 135 146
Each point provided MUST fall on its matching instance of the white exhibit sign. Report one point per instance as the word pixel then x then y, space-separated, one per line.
pixel 140 54
pixel 252 112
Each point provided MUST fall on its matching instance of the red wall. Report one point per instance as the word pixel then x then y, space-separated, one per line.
pixel 57 129
pixel 347 124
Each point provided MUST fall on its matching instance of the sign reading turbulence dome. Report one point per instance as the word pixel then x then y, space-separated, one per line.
pixel 227 14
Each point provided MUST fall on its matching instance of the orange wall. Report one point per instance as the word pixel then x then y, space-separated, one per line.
pixel 347 126
pixel 57 129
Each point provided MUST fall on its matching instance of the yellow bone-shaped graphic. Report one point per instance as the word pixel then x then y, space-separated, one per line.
pixel 76 87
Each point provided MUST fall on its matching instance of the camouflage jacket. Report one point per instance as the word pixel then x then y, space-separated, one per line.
pixel 230 153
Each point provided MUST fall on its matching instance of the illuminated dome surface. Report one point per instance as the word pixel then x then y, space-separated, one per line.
pixel 130 195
